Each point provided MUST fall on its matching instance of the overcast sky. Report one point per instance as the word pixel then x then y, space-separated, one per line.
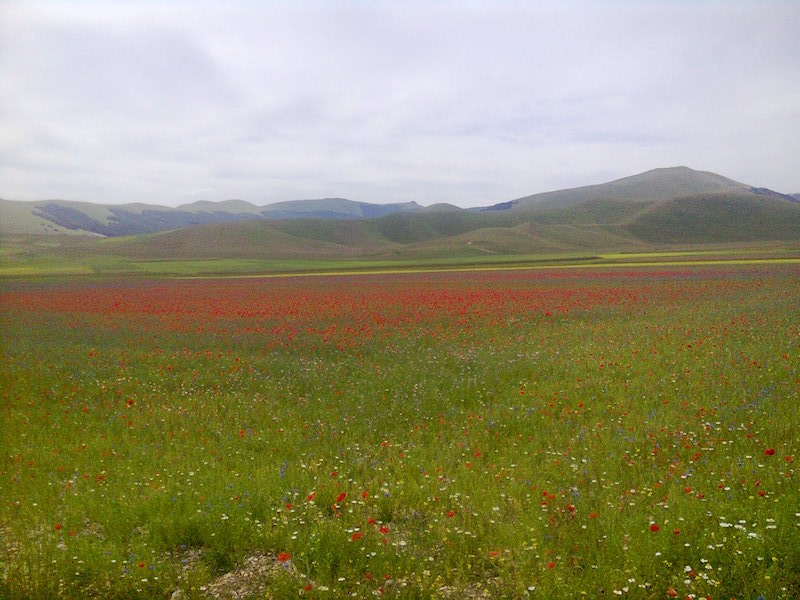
pixel 470 103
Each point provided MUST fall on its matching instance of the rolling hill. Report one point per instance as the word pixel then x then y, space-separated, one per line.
pixel 61 216
pixel 651 186
pixel 663 208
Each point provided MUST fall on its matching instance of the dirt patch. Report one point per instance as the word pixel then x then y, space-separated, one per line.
pixel 249 580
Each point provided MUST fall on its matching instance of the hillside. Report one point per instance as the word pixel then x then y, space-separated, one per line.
pixel 595 225
pixel 656 185
pixel 658 209
pixel 718 218
pixel 61 216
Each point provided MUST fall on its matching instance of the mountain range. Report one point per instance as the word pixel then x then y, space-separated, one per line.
pixel 661 207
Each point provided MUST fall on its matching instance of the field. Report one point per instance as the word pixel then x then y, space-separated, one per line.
pixel 551 433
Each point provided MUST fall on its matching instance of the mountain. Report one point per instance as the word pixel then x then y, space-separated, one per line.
pixel 593 226
pixel 61 216
pixel 655 185
pixel 334 208
pixel 662 208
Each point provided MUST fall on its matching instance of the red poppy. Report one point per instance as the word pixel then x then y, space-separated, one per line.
pixel 341 497
pixel 769 451
pixel 494 553
pixel 384 529
pixel 311 496
pixel 365 494
pixel 654 527
pixel 357 535
pixel 58 526
pixel 451 514
pixel 551 565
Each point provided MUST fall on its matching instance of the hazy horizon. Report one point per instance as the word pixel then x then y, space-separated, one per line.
pixel 471 104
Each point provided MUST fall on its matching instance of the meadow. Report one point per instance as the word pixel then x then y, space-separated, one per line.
pixel 544 433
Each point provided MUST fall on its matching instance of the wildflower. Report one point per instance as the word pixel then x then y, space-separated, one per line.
pixel 283 557
pixel 311 496
pixel 494 553
pixel 384 529
pixel 769 451
pixel 551 565
pixel 341 497
pixel 58 526
pixel 654 527
pixel 357 536
pixel 365 494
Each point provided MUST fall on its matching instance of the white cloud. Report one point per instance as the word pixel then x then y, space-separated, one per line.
pixel 471 104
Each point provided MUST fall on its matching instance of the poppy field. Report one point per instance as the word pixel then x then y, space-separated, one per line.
pixel 543 433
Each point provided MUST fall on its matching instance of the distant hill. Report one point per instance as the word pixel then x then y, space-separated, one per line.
pixel 334 208
pixel 655 185
pixel 595 225
pixel 61 216
pixel 659 208
pixel 718 218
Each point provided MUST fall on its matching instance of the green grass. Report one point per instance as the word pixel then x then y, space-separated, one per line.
pixel 518 432
pixel 24 256
pixel 718 218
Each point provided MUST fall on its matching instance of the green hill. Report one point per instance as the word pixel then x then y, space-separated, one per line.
pixel 607 225
pixel 718 218
pixel 655 185
pixel 61 216
pixel 634 214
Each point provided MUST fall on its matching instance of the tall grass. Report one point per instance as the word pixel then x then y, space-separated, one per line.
pixel 601 432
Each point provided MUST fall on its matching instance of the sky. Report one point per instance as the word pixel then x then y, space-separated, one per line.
pixel 470 103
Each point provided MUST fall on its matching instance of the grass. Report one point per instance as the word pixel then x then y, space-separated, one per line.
pixel 54 256
pixel 549 433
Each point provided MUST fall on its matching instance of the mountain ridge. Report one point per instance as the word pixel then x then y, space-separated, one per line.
pixel 654 185
pixel 660 206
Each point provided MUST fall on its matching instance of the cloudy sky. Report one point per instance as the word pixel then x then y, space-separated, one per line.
pixel 471 103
